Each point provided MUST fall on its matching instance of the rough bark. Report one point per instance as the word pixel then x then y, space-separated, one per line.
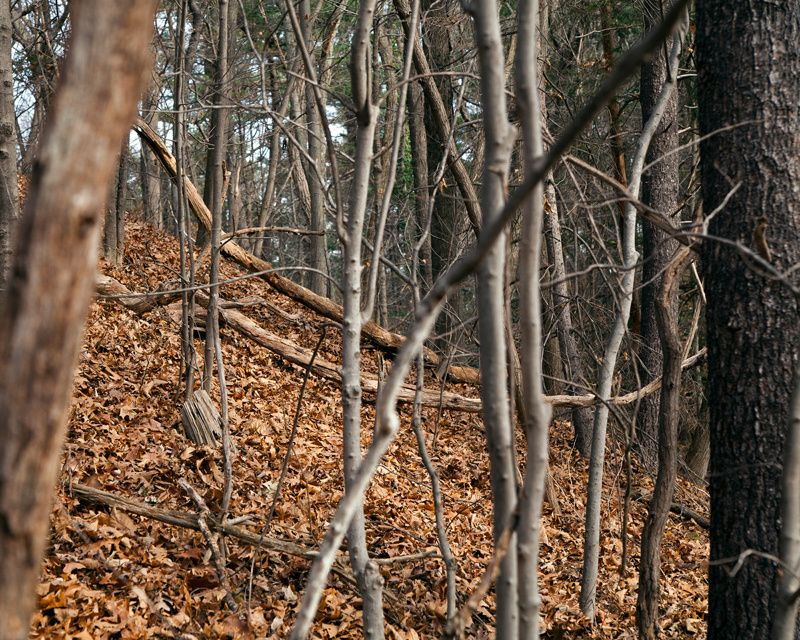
pixel 660 191
pixel 419 150
pixel 749 76
pixel 318 283
pixel 438 33
pixel 151 184
pixel 44 309
pixel 9 205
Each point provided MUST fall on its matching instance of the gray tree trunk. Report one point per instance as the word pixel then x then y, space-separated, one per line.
pixel 9 205
pixel 366 572
pixel 317 258
pixel 149 167
pixel 491 304
pixel 537 412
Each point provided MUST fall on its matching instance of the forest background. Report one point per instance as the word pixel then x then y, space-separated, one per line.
pixel 588 210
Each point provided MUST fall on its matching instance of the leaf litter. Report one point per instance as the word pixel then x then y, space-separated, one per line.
pixel 112 575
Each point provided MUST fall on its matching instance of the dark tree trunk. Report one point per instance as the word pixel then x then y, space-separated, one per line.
pixel 749 75
pixel 660 191
pixel 43 311
pixel 9 205
pixel 666 313
pixel 438 28
pixel 419 163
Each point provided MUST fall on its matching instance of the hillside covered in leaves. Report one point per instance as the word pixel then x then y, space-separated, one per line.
pixel 112 574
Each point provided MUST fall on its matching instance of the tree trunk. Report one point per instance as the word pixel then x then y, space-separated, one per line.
pixel 367 575
pixel 491 304
pixel 562 298
pixel 591 549
pixel 447 214
pixel 317 281
pixel 660 190
pixel 151 184
pixel 9 205
pixel 44 309
pixel 537 413
pixel 666 312
pixel 752 320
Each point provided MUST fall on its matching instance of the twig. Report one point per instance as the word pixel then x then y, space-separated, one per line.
pixel 202 521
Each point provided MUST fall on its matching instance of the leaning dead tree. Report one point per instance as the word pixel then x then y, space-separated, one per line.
pixel 43 311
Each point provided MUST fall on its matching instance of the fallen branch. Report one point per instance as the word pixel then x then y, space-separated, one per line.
pixel 382 338
pixel 187 520
pixel 203 517
pixel 183 519
pixel 690 514
pixel 301 356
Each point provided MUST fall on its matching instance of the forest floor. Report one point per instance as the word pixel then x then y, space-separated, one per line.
pixel 110 574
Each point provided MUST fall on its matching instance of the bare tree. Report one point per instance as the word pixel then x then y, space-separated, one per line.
pixel 591 548
pixel 537 413
pixel 44 308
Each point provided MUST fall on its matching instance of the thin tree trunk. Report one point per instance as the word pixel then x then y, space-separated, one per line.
pixel 562 298
pixel 151 184
pixel 666 312
pixel 537 413
pixel 43 311
pixel 9 204
pixel 120 201
pixel 660 190
pixel 419 151
pixel 491 304
pixel 318 281
pixel 365 570
pixel 784 627
pixel 591 547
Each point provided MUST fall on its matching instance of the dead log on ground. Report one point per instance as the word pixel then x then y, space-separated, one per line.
pixel 300 356
pixel 382 338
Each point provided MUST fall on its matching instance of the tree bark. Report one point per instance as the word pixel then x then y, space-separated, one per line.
pixel 660 190
pixel 491 305
pixel 666 311
pixel 9 204
pixel 749 78
pixel 44 309
pixel 562 298
pixel 537 413
pixel 318 282
pixel 151 184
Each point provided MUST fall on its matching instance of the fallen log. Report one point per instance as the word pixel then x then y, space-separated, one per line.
pixel 380 337
pixel 137 302
pixel 300 356
pixel 187 520
pixel 291 352
pixel 183 519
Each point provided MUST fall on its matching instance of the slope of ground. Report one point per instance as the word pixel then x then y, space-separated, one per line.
pixel 109 574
